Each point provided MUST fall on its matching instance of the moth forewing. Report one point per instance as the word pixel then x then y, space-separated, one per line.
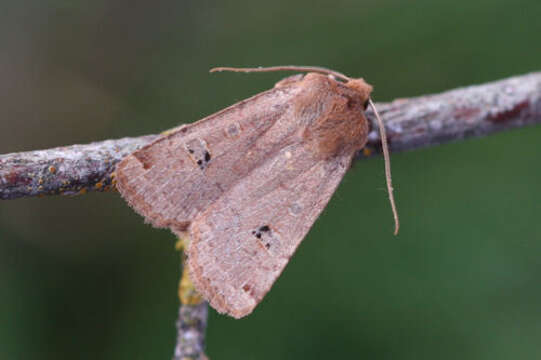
pixel 180 174
pixel 242 243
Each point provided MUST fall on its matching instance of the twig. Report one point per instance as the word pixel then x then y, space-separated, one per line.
pixel 191 326
pixel 454 115
pixel 192 314
pixel 67 170
pixel 411 123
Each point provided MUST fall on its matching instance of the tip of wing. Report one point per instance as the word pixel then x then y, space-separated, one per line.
pixel 214 295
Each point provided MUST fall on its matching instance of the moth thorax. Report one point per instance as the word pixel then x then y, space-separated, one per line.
pixel 343 130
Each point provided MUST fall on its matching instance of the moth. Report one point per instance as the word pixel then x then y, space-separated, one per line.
pixel 247 183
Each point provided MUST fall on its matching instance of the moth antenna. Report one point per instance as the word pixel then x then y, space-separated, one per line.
pixel 387 158
pixel 284 68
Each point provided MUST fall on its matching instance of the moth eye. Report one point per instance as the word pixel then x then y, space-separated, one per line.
pixel 365 105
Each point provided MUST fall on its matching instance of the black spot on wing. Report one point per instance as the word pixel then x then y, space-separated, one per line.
pixel 199 152
pixel 264 234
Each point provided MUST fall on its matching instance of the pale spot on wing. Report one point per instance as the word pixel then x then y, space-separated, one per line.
pixel 233 130
pixel 295 209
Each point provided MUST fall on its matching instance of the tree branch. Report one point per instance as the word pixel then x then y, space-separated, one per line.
pixel 411 123
pixel 454 115
pixel 191 327
pixel 192 314
pixel 67 170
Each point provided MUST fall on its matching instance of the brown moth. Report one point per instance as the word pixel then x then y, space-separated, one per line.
pixel 248 182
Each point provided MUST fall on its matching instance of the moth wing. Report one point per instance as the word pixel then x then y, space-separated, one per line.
pixel 181 173
pixel 241 244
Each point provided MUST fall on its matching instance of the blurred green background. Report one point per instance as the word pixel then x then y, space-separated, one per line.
pixel 85 278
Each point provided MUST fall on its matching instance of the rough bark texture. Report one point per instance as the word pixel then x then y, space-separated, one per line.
pixel 411 123
pixel 461 113
pixel 67 170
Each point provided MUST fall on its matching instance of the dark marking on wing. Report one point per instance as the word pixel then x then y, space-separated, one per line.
pixel 143 159
pixel 259 234
pixel 199 152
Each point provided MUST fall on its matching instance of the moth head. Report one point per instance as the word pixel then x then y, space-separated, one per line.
pixel 362 88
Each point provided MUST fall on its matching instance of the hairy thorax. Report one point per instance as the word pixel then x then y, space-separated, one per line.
pixel 335 112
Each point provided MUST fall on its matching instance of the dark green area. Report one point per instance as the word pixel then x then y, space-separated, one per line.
pixel 84 278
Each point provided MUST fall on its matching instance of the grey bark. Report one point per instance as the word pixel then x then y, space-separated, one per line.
pixel 454 115
pixel 191 327
pixel 67 170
